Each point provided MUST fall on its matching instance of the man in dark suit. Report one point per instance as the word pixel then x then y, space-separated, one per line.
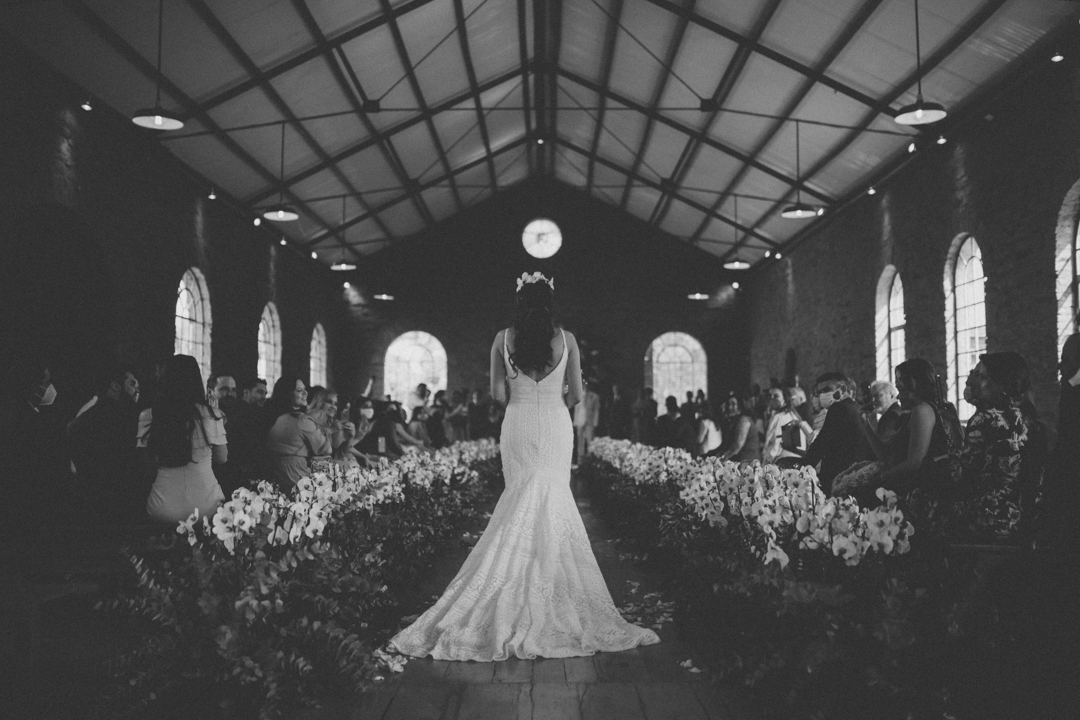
pixel 840 442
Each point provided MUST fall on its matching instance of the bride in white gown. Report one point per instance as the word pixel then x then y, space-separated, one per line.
pixel 531 586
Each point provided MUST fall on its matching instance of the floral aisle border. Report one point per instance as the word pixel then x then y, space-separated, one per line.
pixel 784 509
pixel 282 600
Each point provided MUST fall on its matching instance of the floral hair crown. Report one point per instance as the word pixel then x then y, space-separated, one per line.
pixel 527 279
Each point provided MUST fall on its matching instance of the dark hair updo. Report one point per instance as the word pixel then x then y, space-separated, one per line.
pixel 1009 372
pixel 921 379
pixel 534 326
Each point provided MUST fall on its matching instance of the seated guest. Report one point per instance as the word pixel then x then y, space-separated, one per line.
pixel 418 425
pixel 401 436
pixel 380 440
pixel 103 449
pixel 363 419
pixel 323 410
pixel 1003 450
pixel 185 435
pixel 748 434
pixel 708 434
pixel 887 407
pixel 785 419
pixel 294 440
pixel 840 443
pixel 917 456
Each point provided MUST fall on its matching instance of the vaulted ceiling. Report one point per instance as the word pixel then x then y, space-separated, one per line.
pixel 397 114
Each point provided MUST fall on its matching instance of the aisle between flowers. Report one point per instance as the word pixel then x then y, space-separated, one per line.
pixel 280 599
pixel 816 606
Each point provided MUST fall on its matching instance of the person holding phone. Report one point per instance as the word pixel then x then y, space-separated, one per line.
pixel 788 435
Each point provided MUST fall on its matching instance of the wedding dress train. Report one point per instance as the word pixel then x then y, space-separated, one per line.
pixel 531 586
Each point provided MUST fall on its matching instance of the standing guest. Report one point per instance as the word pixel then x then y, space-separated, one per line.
pixel 643 418
pixel 458 418
pixel 840 443
pixel 709 437
pixel 688 408
pixel 586 418
pixel 917 456
pixel 248 423
pixel 418 397
pixel 253 392
pixel 437 424
pixel 667 430
pixel 477 415
pixel 618 414
pixel 748 433
pixel 886 406
pixel 103 449
pixel 294 439
pixel 1002 437
pixel 223 388
pixel 185 436
pixel 700 400
pixel 1057 515
pixel 785 419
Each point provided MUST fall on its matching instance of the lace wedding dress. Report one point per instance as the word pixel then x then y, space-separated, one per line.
pixel 531 586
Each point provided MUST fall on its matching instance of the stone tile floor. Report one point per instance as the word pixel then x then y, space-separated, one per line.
pixel 645 683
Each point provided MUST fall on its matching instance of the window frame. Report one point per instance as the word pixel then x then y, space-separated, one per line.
pixel 318 358
pixel 197 342
pixel 697 353
pixel 890 337
pixel 269 365
pixel 953 328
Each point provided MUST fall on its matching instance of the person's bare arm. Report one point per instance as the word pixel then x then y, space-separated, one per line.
pixel 573 371
pixel 921 426
pixel 498 369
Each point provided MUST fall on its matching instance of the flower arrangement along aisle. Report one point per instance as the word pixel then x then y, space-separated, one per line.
pixel 277 599
pixel 817 606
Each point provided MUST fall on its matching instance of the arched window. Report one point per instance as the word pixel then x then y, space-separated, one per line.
pixel 674 364
pixel 889 330
pixel 270 345
pixel 1067 265
pixel 193 319
pixel 318 356
pixel 413 358
pixel 965 316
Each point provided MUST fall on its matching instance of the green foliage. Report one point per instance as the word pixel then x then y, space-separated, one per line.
pixel 270 628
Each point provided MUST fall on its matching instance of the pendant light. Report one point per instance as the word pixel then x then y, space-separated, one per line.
pixel 157 118
pixel 736 264
pixel 800 210
pixel 919 112
pixel 281 212
pixel 341 265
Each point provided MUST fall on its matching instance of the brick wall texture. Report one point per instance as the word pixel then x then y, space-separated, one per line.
pixel 1003 181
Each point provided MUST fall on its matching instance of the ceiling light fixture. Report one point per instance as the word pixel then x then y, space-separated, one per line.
pixel 383 296
pixel 768 253
pixel 341 265
pixel 346 285
pixel 314 255
pixel 257 222
pixel 539 141
pixel 86 105
pixel 156 118
pixel 778 256
pixel 212 195
pixel 281 212
pixel 871 191
pixel 736 265
pixel 800 210
pixel 912 147
pixel 919 112
pixel 735 285
pixel 697 296
pixel 941 140
pixel 283 240
pixel 1057 57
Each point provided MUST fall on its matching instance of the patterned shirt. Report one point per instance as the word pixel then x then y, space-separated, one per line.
pixel 991 461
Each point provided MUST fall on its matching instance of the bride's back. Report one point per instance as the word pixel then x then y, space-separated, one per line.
pixel 558 349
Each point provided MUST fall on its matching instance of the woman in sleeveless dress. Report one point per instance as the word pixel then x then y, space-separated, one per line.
pixel 531 586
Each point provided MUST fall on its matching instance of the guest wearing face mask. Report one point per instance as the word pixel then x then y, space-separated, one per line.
pixel 840 442
pixel 34 462
pixel 363 418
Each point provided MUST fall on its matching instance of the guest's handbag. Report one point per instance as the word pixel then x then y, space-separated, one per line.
pixel 316 463
pixel 791 436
